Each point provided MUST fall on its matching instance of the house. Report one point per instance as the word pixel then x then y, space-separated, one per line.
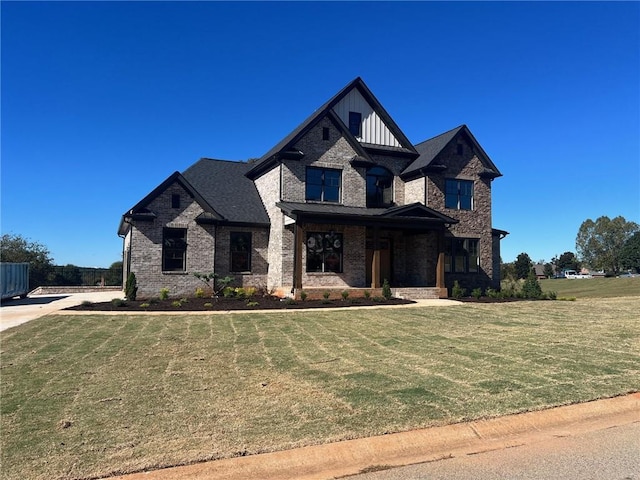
pixel 345 201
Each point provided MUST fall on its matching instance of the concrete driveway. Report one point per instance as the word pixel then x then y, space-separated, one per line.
pixel 16 312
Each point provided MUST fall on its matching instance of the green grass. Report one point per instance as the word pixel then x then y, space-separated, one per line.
pixel 593 287
pixel 86 396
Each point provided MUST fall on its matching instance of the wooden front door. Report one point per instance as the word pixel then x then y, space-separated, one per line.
pixel 385 260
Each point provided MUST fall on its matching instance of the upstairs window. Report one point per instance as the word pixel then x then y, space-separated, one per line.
pixel 175 200
pixel 240 247
pixel 325 133
pixel 355 123
pixel 461 255
pixel 379 187
pixel 324 252
pixel 458 194
pixel 174 249
pixel 323 184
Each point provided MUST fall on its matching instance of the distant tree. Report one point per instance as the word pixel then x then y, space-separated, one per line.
pixel 531 288
pixel 522 265
pixel 566 261
pixel 548 270
pixel 114 274
pixel 69 275
pixel 599 243
pixel 507 271
pixel 16 248
pixel 630 253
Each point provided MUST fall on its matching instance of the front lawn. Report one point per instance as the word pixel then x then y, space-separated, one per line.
pixel 86 396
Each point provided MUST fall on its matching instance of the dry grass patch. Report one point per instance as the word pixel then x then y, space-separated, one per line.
pixel 85 396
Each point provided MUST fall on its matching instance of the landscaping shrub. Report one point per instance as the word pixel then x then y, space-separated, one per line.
pixel 457 291
pixel 303 295
pixel 531 288
pixel 367 294
pixel 386 289
pixel 118 302
pixel 199 292
pixel 345 294
pixel 131 287
pixel 164 293
pixel 476 293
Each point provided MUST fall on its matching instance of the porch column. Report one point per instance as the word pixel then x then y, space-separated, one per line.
pixel 440 284
pixel 375 263
pixel 297 261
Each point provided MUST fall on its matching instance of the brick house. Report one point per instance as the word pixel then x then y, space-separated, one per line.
pixel 345 201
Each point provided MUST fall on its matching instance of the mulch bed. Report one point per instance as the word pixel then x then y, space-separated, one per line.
pixel 224 304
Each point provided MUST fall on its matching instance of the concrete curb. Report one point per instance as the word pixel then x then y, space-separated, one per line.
pixel 354 456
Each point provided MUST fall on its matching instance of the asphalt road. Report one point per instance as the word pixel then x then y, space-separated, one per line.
pixel 609 454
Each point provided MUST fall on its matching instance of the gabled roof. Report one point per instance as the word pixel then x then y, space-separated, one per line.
pixel 407 217
pixel 430 149
pixel 223 184
pixel 218 183
pixel 273 155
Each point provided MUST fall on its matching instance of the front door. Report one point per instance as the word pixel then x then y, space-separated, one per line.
pixel 385 260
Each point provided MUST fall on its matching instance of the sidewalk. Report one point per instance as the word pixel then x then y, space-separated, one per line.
pixel 17 312
pixel 355 456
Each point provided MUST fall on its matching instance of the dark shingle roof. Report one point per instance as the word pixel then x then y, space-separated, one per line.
pixel 430 149
pixel 225 187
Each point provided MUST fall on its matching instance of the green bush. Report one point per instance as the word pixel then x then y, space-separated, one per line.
pixel 252 304
pixel 208 305
pixel 367 294
pixel 145 305
pixel 176 303
pixel 228 292
pixel 345 294
pixel 326 294
pixel 457 291
pixel 164 293
pixel 476 293
pixel 386 289
pixel 303 295
pixel 491 293
pixel 531 288
pixel 131 287
pixel 199 292
pixel 118 302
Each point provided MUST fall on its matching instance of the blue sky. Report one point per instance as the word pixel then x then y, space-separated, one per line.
pixel 101 101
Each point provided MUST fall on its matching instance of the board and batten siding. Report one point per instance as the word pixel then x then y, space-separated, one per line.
pixel 374 130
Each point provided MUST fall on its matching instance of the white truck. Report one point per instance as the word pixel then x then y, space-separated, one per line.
pixel 14 280
pixel 574 274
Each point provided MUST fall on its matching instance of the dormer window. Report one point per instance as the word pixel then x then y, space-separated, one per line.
pixel 355 123
pixel 379 187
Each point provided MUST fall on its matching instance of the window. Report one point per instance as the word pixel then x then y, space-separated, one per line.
pixel 460 149
pixel 240 247
pixel 379 187
pixel 325 133
pixel 461 255
pixel 355 123
pixel 174 249
pixel 323 184
pixel 175 200
pixel 458 194
pixel 324 252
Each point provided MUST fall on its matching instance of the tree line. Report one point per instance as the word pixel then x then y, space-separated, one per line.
pixel 42 271
pixel 608 245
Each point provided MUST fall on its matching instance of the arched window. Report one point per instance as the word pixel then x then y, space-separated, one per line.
pixel 379 187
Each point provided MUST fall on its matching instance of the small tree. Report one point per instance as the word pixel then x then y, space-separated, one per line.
pixel 386 289
pixel 215 284
pixel 548 270
pixel 531 288
pixel 131 287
